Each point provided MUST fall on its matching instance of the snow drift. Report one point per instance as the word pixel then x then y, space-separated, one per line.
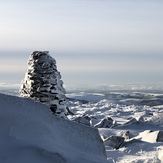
pixel 29 133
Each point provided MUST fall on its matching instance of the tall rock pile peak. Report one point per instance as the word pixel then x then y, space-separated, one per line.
pixel 43 82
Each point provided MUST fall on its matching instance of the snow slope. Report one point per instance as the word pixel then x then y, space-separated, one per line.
pixel 30 133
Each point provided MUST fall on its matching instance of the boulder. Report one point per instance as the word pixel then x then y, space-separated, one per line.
pixel 156 119
pixel 86 120
pixel 151 136
pixel 126 134
pixel 159 136
pixel 114 141
pixel 105 123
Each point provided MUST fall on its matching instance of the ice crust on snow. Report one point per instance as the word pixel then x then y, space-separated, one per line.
pixel 29 133
pixel 43 82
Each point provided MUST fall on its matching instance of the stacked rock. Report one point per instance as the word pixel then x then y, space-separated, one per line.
pixel 43 82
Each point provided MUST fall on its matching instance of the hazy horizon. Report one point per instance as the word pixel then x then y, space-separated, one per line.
pixel 93 42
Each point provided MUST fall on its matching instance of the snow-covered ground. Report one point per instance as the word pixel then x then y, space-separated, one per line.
pixel 136 117
pixel 139 114
pixel 29 133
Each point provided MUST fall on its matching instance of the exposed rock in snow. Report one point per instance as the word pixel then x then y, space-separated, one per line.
pixel 126 134
pixel 160 136
pixel 137 123
pixel 157 119
pixel 43 82
pixel 86 120
pixel 114 141
pixel 151 136
pixel 160 155
pixel 29 133
pixel 131 121
pixel 105 123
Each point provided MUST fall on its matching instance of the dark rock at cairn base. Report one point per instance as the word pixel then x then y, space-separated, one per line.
pixel 43 82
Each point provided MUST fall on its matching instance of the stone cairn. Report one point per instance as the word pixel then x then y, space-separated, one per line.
pixel 43 83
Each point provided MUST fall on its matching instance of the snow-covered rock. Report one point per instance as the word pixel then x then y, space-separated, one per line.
pixel 30 133
pixel 114 141
pixel 126 134
pixel 151 136
pixel 86 120
pixel 157 119
pixel 160 155
pixel 43 82
pixel 105 123
pixel 160 136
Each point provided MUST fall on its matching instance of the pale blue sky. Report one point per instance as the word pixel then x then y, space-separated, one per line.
pixel 93 41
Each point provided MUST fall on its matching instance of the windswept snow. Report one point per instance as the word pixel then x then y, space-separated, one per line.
pixel 129 124
pixel 132 132
pixel 30 133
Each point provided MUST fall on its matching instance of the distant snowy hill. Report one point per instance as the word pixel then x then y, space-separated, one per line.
pixel 29 133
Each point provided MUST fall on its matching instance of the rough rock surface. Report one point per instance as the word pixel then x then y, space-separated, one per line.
pixel 160 136
pixel 105 123
pixel 157 119
pixel 43 82
pixel 86 120
pixel 114 141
